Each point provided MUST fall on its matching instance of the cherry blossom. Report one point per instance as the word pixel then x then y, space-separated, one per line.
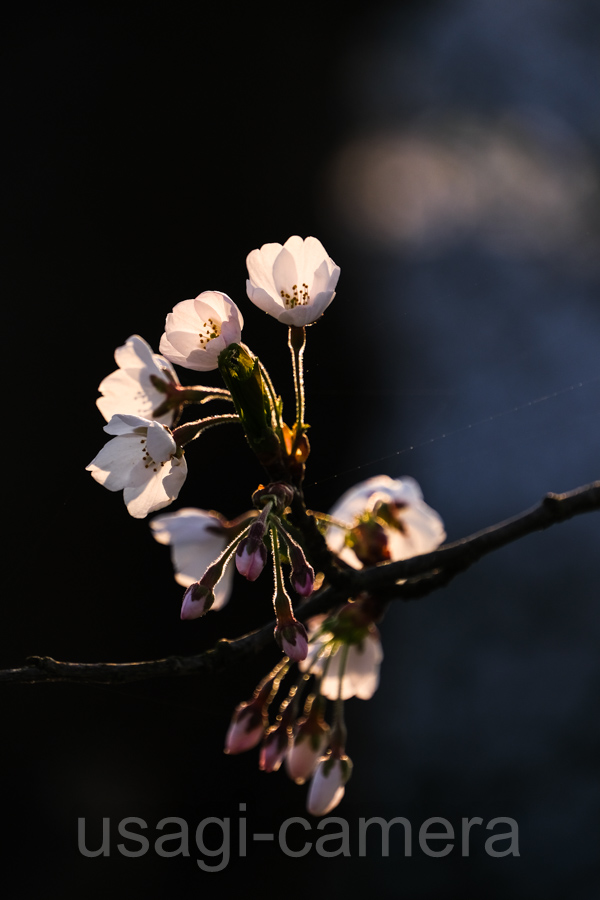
pixel 197 330
pixel 196 538
pixel 142 461
pixel 295 282
pixel 129 389
pixel 391 520
pixel 360 662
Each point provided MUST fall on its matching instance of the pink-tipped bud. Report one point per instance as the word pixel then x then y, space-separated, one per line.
pixel 250 558
pixel 302 575
pixel 197 600
pixel 246 729
pixel 293 639
pixel 274 748
pixel 303 580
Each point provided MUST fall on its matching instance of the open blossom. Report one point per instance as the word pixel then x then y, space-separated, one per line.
pixel 196 538
pixel 295 282
pixel 199 329
pixel 360 670
pixel 141 461
pixel 390 519
pixel 129 390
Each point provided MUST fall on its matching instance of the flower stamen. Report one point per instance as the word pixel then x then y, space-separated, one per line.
pixel 298 297
pixel 210 330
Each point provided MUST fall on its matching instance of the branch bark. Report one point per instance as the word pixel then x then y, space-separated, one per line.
pixel 420 576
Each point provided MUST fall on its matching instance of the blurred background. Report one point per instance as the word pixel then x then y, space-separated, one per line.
pixel 446 154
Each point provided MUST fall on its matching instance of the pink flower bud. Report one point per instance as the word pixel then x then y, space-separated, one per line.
pixel 246 729
pixel 293 639
pixel 305 752
pixel 197 600
pixel 250 558
pixel 303 580
pixel 274 748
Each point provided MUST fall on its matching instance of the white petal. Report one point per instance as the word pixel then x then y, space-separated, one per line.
pixel 231 330
pixel 187 525
pixel 126 424
pixel 223 589
pixel 154 488
pixel 423 532
pixel 160 442
pixel 196 541
pixel 285 274
pixel 134 354
pixel 325 791
pixel 120 394
pixel 260 267
pixel 269 303
pixel 362 667
pixel 129 389
pixel 112 467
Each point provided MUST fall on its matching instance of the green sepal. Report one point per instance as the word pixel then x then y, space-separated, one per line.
pixel 240 371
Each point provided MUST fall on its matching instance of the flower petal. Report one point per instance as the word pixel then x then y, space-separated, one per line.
pixel 112 466
pixel 155 489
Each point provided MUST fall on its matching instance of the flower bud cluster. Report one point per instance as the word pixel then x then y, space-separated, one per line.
pixel 310 749
pixel 343 659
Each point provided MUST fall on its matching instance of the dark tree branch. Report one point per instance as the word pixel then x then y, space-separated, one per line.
pixel 421 575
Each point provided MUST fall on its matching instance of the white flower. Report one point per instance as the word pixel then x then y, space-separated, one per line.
pixel 141 461
pixel 295 282
pixel 129 390
pixel 361 668
pixel 328 785
pixel 198 330
pixel 196 538
pixel 409 526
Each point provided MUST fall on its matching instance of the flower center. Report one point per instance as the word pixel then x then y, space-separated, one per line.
pixel 298 297
pixel 210 330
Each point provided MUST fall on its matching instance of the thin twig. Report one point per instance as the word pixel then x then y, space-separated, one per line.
pixel 423 575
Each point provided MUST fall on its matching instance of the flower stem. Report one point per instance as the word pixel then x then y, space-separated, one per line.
pixel 279 586
pixel 323 517
pixel 339 733
pixel 296 343
pixel 281 600
pixel 274 400
pixel 183 434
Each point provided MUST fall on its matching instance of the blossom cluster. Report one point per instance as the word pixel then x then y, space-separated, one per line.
pixel 378 521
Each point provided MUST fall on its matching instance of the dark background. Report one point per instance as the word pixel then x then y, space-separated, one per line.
pixel 446 154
